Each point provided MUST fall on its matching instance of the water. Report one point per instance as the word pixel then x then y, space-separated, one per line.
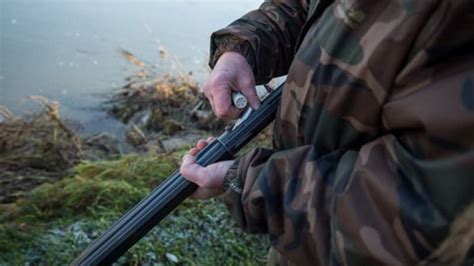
pixel 69 51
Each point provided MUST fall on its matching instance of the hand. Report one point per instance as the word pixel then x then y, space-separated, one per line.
pixel 210 179
pixel 231 73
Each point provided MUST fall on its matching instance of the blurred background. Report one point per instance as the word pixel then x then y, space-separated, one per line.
pixel 69 50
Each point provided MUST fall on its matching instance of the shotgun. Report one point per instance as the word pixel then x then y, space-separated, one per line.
pixel 132 226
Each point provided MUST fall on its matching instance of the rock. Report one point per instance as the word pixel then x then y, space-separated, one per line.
pixel 135 136
pixel 140 119
pixel 170 127
pixel 204 118
pixel 181 140
pixel 154 144
pixel 101 146
pixel 155 120
pixel 171 257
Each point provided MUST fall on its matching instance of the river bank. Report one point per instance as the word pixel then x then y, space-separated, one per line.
pixel 60 190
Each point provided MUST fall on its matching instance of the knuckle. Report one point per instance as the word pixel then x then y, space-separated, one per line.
pixel 248 85
pixel 214 84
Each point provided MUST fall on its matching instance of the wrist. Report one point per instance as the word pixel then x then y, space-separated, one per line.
pixel 223 43
pixel 235 61
pixel 233 55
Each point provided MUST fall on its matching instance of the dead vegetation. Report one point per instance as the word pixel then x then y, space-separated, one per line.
pixel 34 148
pixel 162 114
pixel 41 148
pixel 160 108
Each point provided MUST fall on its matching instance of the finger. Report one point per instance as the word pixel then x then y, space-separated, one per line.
pixel 249 91
pixel 193 151
pixel 188 159
pixel 210 139
pixel 208 93
pixel 193 172
pixel 201 144
pixel 223 105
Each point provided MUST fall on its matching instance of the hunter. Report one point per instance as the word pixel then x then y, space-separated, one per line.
pixel 373 144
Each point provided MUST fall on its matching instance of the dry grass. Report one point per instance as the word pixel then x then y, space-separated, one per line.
pixel 167 104
pixel 34 149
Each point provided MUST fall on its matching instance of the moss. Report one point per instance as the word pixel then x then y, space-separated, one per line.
pixel 55 222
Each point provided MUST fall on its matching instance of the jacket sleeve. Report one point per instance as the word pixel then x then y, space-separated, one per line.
pixel 390 202
pixel 378 205
pixel 266 37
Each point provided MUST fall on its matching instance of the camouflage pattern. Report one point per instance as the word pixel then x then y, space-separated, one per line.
pixel 374 140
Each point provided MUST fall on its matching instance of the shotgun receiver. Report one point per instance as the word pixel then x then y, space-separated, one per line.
pixel 174 189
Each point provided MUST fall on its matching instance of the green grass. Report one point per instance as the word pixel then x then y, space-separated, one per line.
pixel 55 222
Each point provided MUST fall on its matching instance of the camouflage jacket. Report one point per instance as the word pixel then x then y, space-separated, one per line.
pixel 374 139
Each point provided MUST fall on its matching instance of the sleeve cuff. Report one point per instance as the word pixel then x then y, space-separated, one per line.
pixel 232 182
pixel 224 42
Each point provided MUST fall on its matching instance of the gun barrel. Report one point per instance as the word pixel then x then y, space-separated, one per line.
pixel 132 226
